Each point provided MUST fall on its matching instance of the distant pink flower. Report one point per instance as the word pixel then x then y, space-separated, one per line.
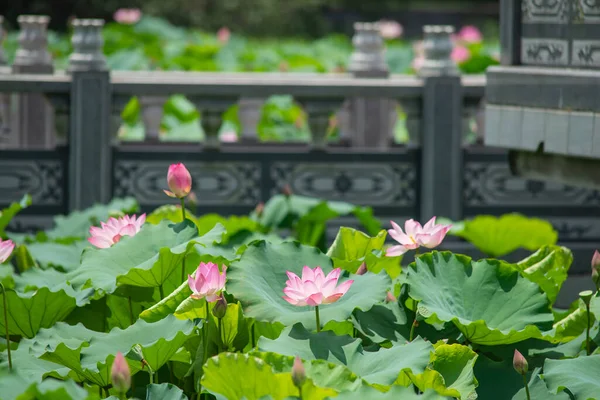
pixel 208 282
pixel 390 29
pixel 223 35
pixel 470 34
pixel 120 374
pixel 418 62
pixel 460 54
pixel 114 229
pixel 314 288
pixel 6 249
pixel 229 137
pixel 430 236
pixel 179 181
pixel 127 16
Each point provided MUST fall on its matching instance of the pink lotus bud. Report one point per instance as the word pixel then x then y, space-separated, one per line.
pixel 220 308
pixel 287 190
pixel 362 269
pixel 390 298
pixel 127 16
pixel 223 35
pixel 596 268
pixel 192 198
pixel 260 208
pixel 520 363
pixel 120 374
pixel 390 29
pixel 6 249
pixel 179 180
pixel 298 373
pixel 208 282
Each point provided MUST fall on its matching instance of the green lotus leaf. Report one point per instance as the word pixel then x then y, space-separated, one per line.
pixel 52 279
pixel 66 257
pixel 168 305
pixel 499 236
pixel 91 359
pixel 395 393
pixel 450 372
pixel 383 322
pixel 7 214
pixel 29 312
pixel 146 259
pixel 323 373
pixel 258 279
pixel 222 378
pixel 77 224
pixel 578 375
pixel 171 213
pixel 498 380
pixel 548 267
pixel 572 324
pixel 382 367
pixel 488 300
pixel 14 386
pixel 352 247
pixel 594 305
pixel 233 224
pixel 164 391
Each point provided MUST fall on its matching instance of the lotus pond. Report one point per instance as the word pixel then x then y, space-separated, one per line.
pixel 111 305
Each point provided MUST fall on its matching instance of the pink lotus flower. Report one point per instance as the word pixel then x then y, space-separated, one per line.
pixel 430 236
pixel 120 374
pixel 229 137
pixel 114 229
pixel 223 35
pixel 314 288
pixel 470 34
pixel 460 54
pixel 208 282
pixel 6 249
pixel 179 181
pixel 127 16
pixel 390 29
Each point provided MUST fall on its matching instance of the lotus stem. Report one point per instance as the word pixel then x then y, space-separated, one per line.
pixel 220 326
pixel 300 393
pixel 253 334
pixel 161 291
pixel 183 208
pixel 130 311
pixel 526 386
pixel 5 300
pixel 587 331
pixel 414 324
pixel 318 319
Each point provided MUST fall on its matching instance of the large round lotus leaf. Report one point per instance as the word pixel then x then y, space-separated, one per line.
pixel 240 376
pixel 164 391
pixel 395 393
pixel 498 236
pixel 382 367
pixel 488 300
pixel 258 279
pixel 578 375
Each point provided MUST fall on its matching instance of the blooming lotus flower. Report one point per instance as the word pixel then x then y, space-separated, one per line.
pixel 390 29
pixel 120 374
pixel 179 180
pixel 6 249
pixel 208 282
pixel 470 34
pixel 223 35
pixel 127 16
pixel 460 54
pixel 111 231
pixel 430 236
pixel 314 288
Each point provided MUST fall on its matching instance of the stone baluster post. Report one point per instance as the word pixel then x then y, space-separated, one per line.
pixel 441 143
pixel 90 164
pixel 249 114
pixel 33 123
pixel 152 113
pixel 370 121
